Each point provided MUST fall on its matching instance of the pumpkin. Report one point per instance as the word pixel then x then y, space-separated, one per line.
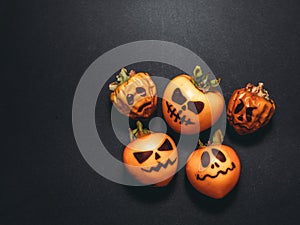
pixel 192 104
pixel 250 108
pixel 213 170
pixel 151 158
pixel 134 94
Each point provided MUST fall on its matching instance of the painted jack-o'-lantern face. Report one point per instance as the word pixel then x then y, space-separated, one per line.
pixel 249 109
pixel 213 170
pixel 152 159
pixel 134 95
pixel 189 110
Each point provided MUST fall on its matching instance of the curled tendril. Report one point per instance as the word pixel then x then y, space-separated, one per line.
pixel 122 77
pixel 202 81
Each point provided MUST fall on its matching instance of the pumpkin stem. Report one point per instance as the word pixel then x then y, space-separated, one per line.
pixel 122 77
pixel 131 135
pixel 202 81
pixel 138 132
pixel 201 144
pixel 218 137
pixel 259 90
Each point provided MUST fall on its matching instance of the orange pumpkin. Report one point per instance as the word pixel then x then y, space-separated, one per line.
pixel 151 158
pixel 134 94
pixel 250 108
pixel 192 104
pixel 213 170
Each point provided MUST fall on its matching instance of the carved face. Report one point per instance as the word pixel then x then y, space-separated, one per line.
pixel 213 170
pixel 247 112
pixel 136 97
pixel 187 109
pixel 152 159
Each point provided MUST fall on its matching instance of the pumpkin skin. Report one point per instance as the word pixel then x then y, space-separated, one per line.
pixel 136 97
pixel 189 110
pixel 213 170
pixel 152 159
pixel 247 111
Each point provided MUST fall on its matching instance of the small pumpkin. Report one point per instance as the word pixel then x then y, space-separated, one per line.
pixel 213 170
pixel 134 94
pixel 151 158
pixel 192 104
pixel 250 108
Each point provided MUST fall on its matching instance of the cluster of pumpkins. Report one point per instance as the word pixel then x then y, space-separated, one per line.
pixel 190 105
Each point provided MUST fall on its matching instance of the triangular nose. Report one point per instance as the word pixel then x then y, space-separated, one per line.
pixel 157 156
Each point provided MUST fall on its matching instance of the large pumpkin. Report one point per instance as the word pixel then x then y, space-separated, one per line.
pixel 250 108
pixel 190 106
pixel 134 94
pixel 151 158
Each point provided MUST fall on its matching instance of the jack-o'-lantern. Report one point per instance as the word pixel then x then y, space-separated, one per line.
pixel 250 108
pixel 151 158
pixel 192 104
pixel 134 94
pixel 213 170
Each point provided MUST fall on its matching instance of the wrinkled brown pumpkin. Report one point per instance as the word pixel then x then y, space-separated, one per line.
pixel 134 94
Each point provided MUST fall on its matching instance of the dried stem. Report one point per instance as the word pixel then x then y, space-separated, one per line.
pixel 259 90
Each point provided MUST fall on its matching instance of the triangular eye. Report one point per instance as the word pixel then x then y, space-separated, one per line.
pixel 178 97
pixel 142 156
pixel 166 146
pixel 219 155
pixel 196 107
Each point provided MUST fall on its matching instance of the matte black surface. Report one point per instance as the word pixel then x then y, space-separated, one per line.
pixel 47 46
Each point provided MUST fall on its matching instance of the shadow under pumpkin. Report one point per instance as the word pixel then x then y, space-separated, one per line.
pixel 209 204
pixel 151 194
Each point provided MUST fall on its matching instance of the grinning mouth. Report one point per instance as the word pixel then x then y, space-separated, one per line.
pixel 219 172
pixel 160 165
pixel 177 118
pixel 144 106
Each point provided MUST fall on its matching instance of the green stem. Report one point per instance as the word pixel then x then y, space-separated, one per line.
pixel 122 77
pixel 201 144
pixel 138 132
pixel 202 81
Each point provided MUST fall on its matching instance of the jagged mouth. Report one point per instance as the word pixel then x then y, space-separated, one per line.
pixel 159 166
pixel 177 118
pixel 141 108
pixel 231 119
pixel 219 172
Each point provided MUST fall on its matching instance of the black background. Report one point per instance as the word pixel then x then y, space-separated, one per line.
pixel 47 46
